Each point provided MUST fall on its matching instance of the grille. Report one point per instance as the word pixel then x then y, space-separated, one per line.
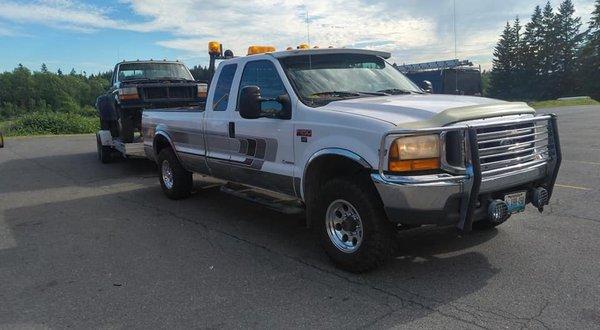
pixel 509 147
pixel 173 92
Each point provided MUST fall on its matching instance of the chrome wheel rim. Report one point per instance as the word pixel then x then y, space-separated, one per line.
pixel 344 226
pixel 167 174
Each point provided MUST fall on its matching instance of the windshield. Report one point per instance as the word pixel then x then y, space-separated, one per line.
pixel 134 71
pixel 320 79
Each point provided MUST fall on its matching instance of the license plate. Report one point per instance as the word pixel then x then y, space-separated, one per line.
pixel 516 201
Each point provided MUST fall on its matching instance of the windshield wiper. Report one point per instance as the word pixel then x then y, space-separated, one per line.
pixel 349 93
pixel 336 93
pixel 135 79
pixel 398 91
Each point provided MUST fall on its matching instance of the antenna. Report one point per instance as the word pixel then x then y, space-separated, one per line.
pixel 455 48
pixel 307 28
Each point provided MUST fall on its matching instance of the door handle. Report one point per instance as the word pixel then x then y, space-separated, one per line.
pixel 231 129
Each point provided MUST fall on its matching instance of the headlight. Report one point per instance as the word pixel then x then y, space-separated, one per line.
pixel 202 90
pixel 414 153
pixel 128 93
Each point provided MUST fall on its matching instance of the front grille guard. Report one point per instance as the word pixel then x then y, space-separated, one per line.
pixel 470 175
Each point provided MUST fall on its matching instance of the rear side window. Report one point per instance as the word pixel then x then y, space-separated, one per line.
pixel 263 74
pixel 221 97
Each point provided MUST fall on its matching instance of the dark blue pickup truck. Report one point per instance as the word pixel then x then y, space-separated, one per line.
pixel 138 85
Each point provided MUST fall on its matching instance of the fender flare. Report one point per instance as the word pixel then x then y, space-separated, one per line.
pixel 328 152
pixel 165 135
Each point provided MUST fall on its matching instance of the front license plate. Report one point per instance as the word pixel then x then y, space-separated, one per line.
pixel 516 201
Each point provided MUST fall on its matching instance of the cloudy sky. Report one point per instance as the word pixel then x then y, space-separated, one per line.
pixel 92 35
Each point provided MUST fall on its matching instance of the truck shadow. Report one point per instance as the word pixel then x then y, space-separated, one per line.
pixel 101 256
pixel 37 173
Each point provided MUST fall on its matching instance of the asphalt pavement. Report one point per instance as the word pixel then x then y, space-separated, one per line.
pixel 87 245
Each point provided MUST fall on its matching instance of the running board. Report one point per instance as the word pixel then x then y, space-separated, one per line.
pixel 280 204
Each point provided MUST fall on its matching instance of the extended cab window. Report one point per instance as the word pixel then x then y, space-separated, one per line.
pixel 264 75
pixel 223 88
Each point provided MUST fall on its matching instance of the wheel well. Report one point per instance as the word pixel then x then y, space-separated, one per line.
pixel 160 143
pixel 325 168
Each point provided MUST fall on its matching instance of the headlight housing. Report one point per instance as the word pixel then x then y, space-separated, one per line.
pixel 202 90
pixel 415 153
pixel 128 93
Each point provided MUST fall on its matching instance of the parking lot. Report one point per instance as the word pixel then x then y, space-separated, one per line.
pixel 89 245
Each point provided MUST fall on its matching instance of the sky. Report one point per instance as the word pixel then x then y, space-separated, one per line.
pixel 93 35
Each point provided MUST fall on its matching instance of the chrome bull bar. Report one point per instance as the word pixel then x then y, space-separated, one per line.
pixel 470 175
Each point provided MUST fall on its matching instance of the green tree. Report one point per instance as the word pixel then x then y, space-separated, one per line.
pixel 590 56
pixel 568 41
pixel 23 91
pixel 518 65
pixel 532 44
pixel 200 73
pixel 501 84
pixel 548 55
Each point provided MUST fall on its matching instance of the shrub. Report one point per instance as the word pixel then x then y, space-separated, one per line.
pixel 52 123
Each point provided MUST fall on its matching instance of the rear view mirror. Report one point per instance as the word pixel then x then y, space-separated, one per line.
pixel 251 101
pixel 286 106
pixel 427 86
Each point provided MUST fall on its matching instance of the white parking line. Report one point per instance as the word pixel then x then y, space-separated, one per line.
pixel 583 162
pixel 572 187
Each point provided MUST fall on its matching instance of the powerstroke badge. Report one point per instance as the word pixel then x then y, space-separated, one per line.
pixel 304 132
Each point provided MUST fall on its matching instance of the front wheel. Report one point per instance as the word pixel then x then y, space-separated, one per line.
pixel 354 230
pixel 175 180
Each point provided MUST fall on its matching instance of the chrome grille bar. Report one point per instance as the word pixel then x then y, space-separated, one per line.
pixel 506 147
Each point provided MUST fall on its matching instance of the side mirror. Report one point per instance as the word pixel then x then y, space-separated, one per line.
pixel 250 101
pixel 286 106
pixel 426 86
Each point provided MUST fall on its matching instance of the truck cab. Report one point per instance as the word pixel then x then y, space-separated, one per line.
pixel 360 146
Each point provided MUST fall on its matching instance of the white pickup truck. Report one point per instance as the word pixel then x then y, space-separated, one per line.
pixel 359 145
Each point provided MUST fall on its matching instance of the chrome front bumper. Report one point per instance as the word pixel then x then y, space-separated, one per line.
pixel 445 199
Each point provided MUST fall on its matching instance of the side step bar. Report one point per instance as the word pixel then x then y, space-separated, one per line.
pixel 269 200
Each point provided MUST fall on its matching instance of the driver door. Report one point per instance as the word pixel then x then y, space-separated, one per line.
pixel 265 152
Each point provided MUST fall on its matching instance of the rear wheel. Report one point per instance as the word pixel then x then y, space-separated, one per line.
pixel 126 126
pixel 175 180
pixel 353 228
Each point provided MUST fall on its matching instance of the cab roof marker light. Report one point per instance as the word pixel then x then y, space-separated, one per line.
pixel 254 50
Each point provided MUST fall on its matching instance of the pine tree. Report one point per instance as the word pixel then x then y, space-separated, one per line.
pixel 44 68
pixel 532 44
pixel 518 63
pixel 548 57
pixel 590 56
pixel 59 72
pixel 502 67
pixel 568 41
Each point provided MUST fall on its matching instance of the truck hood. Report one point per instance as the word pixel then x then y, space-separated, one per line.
pixel 426 110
